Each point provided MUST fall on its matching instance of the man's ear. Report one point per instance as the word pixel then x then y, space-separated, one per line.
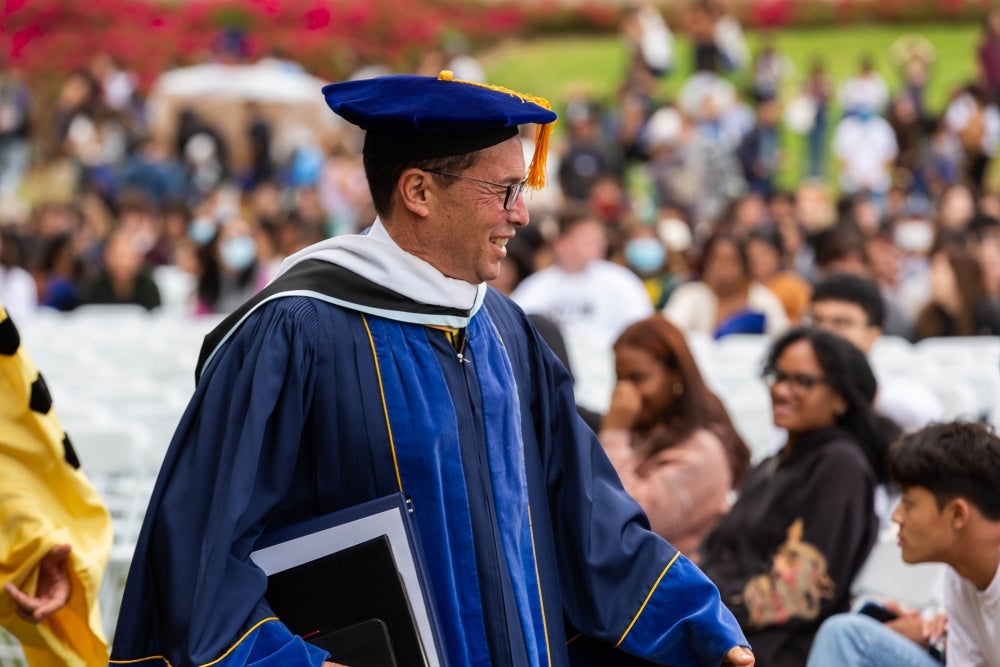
pixel 414 191
pixel 958 512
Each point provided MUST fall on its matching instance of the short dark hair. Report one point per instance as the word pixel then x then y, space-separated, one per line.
pixel 718 238
pixel 572 216
pixel 951 460
pixel 852 288
pixel 837 243
pixel 770 236
pixel 383 170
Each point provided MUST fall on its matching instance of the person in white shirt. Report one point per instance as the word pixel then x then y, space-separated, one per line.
pixel 866 89
pixel 18 291
pixel 583 293
pixel 591 301
pixel 949 513
pixel 865 147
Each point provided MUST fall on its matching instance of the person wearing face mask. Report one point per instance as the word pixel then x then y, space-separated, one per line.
pixel 202 230
pixel 230 270
pixel 646 255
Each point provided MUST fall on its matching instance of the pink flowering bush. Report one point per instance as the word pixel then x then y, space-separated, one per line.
pixel 329 37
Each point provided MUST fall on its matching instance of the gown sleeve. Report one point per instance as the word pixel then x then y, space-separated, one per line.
pixel 193 596
pixel 622 585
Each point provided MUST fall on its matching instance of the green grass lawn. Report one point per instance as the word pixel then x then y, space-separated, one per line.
pixel 560 67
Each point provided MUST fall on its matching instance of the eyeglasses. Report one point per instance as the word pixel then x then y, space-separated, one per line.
pixel 833 323
pixel 800 383
pixel 512 191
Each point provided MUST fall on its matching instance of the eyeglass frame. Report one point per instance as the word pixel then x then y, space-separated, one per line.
pixel 511 192
pixel 800 383
pixel 835 324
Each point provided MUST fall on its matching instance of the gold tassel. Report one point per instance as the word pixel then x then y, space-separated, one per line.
pixel 536 170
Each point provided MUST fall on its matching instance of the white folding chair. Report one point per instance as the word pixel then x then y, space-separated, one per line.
pixel 748 403
pixel 886 576
pixel 11 654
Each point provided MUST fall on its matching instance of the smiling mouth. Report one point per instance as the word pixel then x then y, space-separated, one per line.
pixel 500 241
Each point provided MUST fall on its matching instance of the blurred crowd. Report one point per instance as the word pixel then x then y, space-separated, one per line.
pixel 684 197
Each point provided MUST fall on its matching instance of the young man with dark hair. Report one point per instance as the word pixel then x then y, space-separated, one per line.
pixel 949 513
pixel 852 307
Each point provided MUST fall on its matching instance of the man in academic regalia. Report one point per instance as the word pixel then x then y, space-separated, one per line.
pixel 382 363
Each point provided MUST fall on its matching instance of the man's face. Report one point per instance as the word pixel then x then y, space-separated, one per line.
pixel 585 243
pixel 467 232
pixel 847 320
pixel 925 533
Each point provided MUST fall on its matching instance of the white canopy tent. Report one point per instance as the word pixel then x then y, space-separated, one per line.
pixel 223 95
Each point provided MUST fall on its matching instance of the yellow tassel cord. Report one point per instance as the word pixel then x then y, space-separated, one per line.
pixel 543 132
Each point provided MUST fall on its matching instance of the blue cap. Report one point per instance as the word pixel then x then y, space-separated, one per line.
pixel 438 117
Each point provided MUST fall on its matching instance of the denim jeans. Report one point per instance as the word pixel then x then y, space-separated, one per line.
pixel 856 640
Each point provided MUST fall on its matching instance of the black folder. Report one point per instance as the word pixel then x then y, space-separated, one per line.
pixel 354 583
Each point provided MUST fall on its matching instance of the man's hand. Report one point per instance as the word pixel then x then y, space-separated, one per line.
pixel 907 623
pixel 333 664
pixel 739 656
pixel 54 587
pixel 912 625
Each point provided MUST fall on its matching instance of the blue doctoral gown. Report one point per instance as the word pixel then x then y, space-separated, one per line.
pixel 308 406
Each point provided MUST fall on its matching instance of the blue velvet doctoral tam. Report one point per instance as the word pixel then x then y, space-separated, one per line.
pixel 537 554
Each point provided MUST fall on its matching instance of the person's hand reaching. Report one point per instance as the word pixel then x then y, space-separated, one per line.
pixel 54 587
pixel 739 656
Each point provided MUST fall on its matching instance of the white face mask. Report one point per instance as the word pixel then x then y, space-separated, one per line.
pixel 645 255
pixel 202 230
pixel 238 253
pixel 914 236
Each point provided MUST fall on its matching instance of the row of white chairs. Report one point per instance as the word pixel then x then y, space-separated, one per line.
pixel 120 379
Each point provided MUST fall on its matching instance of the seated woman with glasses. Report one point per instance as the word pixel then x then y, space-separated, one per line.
pixel 786 554
pixel 669 436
